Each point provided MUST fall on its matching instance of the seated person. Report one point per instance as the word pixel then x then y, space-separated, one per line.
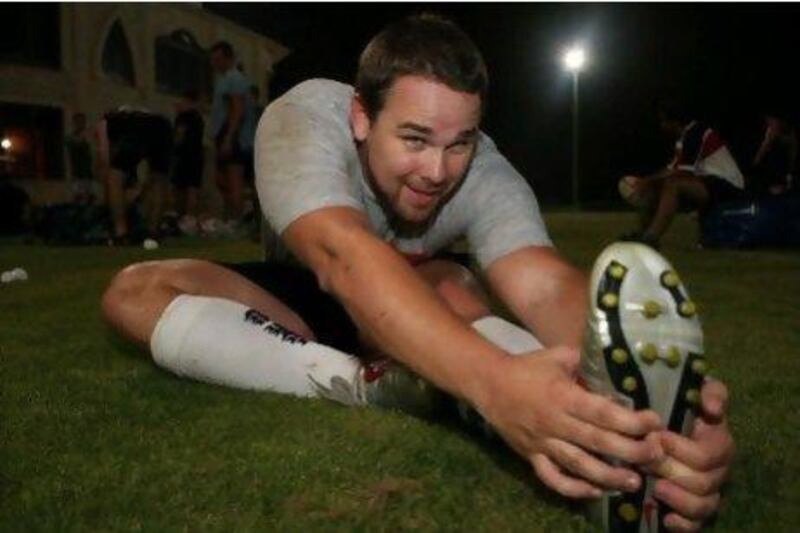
pixel 775 161
pixel 702 172
pixel 125 137
pixel 366 186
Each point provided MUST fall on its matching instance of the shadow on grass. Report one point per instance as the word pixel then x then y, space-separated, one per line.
pixel 506 459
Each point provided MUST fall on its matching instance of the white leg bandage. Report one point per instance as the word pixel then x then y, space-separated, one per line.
pixel 510 337
pixel 224 342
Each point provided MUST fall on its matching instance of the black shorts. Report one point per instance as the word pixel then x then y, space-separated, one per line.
pixel 297 287
pixel 188 172
pixel 136 135
pixel 721 190
pixel 237 156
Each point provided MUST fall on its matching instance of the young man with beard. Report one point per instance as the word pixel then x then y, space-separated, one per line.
pixel 365 186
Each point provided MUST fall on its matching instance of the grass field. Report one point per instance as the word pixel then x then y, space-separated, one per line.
pixel 94 437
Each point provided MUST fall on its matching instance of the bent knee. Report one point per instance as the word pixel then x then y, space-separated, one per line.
pixel 131 282
pixel 459 288
pixel 142 282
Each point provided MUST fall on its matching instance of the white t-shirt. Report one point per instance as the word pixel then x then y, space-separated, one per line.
pixel 306 159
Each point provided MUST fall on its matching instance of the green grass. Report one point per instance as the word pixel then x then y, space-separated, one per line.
pixel 94 437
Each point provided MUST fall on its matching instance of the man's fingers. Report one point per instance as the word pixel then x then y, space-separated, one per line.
pixel 714 399
pixel 700 483
pixel 578 462
pixel 603 412
pixel 684 503
pixel 608 442
pixel 565 485
pixel 714 451
pixel 675 522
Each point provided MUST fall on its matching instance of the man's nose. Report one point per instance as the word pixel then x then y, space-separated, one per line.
pixel 434 169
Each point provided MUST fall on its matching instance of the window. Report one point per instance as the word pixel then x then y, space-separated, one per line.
pixel 34 142
pixel 117 58
pixel 181 64
pixel 30 34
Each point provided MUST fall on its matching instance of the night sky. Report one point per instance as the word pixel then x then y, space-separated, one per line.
pixel 728 61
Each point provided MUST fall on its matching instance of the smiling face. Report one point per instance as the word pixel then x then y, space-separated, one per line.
pixel 419 146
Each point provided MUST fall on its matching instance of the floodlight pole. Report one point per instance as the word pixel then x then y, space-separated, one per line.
pixel 575 149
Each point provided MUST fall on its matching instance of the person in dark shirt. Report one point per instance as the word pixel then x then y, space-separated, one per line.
pixel 79 151
pixel 125 137
pixel 775 161
pixel 187 170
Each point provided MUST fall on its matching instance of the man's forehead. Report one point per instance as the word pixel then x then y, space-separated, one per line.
pixel 415 100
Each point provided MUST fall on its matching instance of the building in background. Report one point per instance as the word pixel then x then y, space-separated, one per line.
pixel 59 59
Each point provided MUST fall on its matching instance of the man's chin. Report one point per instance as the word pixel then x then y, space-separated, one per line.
pixel 415 216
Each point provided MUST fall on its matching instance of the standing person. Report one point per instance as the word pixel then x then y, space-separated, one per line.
pixel 233 125
pixel 702 172
pixel 125 137
pixel 187 170
pixel 366 185
pixel 775 162
pixel 79 150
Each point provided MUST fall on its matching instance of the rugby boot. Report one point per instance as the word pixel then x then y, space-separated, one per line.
pixel 644 349
pixel 387 384
pixel 391 385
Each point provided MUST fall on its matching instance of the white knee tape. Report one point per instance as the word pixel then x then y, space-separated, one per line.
pixel 510 337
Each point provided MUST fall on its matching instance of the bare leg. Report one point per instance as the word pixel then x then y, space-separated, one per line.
pixel 138 295
pixel 115 196
pixel 678 190
pixel 459 290
pixel 190 205
pixel 650 191
pixel 457 287
pixel 235 191
pixel 155 191
pixel 223 186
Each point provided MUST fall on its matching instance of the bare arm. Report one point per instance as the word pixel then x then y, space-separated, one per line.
pixel 386 298
pixel 544 292
pixel 533 402
pixel 770 134
pixel 103 159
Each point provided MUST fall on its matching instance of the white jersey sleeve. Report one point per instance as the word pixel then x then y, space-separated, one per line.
pixel 505 216
pixel 303 157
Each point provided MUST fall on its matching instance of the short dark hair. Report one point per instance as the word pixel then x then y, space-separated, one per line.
pixel 425 45
pixel 224 47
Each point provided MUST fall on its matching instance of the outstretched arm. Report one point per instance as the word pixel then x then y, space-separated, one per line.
pixel 547 294
pixel 533 402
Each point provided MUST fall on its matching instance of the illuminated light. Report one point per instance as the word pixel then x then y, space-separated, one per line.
pixel 6 143
pixel 575 59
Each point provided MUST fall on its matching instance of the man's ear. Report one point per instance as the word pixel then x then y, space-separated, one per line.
pixel 359 119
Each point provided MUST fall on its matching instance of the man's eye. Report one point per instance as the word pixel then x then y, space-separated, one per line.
pixel 415 143
pixel 460 147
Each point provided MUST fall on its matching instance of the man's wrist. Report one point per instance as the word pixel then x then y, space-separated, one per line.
pixel 480 382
